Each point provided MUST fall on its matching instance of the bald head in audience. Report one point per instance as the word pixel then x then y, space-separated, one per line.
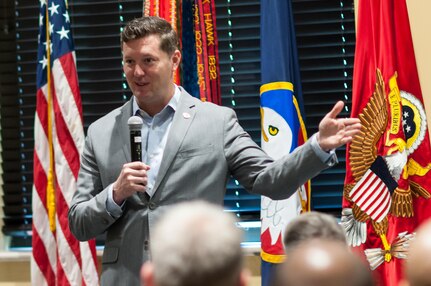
pixel 194 244
pixel 320 262
pixel 418 264
pixel 313 225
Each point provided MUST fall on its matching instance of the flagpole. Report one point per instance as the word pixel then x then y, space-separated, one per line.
pixel 50 193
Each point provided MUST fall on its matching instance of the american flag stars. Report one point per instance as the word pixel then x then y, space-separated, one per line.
pixel 60 41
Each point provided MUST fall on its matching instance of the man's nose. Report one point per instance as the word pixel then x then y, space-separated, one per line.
pixel 138 71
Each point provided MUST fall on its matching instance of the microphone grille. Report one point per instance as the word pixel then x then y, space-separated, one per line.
pixel 135 123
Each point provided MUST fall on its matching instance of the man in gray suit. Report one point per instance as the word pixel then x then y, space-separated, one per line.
pixel 190 150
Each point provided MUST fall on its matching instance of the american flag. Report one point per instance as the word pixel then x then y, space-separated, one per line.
pixel 373 191
pixel 57 257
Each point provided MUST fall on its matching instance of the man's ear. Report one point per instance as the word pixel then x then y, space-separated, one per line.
pixel 147 274
pixel 176 59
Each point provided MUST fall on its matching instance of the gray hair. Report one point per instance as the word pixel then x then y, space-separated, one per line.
pixel 312 225
pixel 150 25
pixel 196 243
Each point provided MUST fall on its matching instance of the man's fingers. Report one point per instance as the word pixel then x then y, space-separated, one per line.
pixel 335 110
pixel 137 166
pixel 351 133
pixel 352 127
pixel 352 121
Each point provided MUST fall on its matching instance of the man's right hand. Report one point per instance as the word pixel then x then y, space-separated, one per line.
pixel 335 132
pixel 133 178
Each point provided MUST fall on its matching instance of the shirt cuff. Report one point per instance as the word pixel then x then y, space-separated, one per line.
pixel 329 158
pixel 113 209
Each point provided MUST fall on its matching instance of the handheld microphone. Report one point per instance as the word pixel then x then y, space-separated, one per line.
pixel 135 125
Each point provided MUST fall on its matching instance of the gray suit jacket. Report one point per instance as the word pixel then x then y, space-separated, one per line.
pixel 202 151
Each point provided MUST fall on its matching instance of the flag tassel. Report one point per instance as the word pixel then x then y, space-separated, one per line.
pixel 387 248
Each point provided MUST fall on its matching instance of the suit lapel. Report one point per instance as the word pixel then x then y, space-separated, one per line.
pixel 182 120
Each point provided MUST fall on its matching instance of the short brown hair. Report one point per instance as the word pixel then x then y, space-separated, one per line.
pixel 312 225
pixel 151 25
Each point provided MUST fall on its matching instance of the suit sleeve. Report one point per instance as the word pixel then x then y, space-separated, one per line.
pixel 88 216
pixel 259 173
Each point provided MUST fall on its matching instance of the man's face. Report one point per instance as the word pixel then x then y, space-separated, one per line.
pixel 149 70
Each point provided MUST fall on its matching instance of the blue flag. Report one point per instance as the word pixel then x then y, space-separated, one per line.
pixel 282 126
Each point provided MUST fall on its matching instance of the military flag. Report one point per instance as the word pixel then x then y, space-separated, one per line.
pixel 388 100
pixel 282 125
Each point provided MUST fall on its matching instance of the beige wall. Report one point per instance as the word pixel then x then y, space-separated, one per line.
pixel 420 24
pixel 15 271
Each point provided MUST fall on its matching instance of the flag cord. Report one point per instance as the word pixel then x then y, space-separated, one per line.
pixel 50 194
pixel 387 248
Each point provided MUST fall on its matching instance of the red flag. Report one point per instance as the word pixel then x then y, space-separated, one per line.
pixel 205 38
pixel 387 98
pixel 167 10
pixel 206 41
pixel 57 257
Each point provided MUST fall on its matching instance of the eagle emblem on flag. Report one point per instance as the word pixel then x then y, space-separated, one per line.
pixel 282 132
pixel 393 126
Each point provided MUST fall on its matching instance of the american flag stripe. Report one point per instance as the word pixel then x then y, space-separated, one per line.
pixel 89 262
pixel 376 198
pixel 58 258
pixel 71 106
pixel 42 116
pixel 64 227
pixel 68 82
pixel 61 278
pixel 37 277
pixel 372 196
pixel 45 260
pixel 67 260
pixel 383 209
pixel 67 62
pixel 66 142
pixel 41 271
pixel 43 240
pixel 378 206
pixel 68 246
pixel 359 193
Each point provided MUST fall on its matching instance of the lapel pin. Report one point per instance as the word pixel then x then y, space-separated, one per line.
pixel 186 115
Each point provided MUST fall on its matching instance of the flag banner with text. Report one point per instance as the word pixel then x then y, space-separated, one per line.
pixel 168 10
pixel 195 23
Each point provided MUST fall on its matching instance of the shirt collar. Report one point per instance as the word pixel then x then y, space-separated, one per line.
pixel 172 104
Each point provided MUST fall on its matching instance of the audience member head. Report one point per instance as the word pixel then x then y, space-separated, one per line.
pixel 321 262
pixel 312 225
pixel 193 244
pixel 145 26
pixel 417 267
